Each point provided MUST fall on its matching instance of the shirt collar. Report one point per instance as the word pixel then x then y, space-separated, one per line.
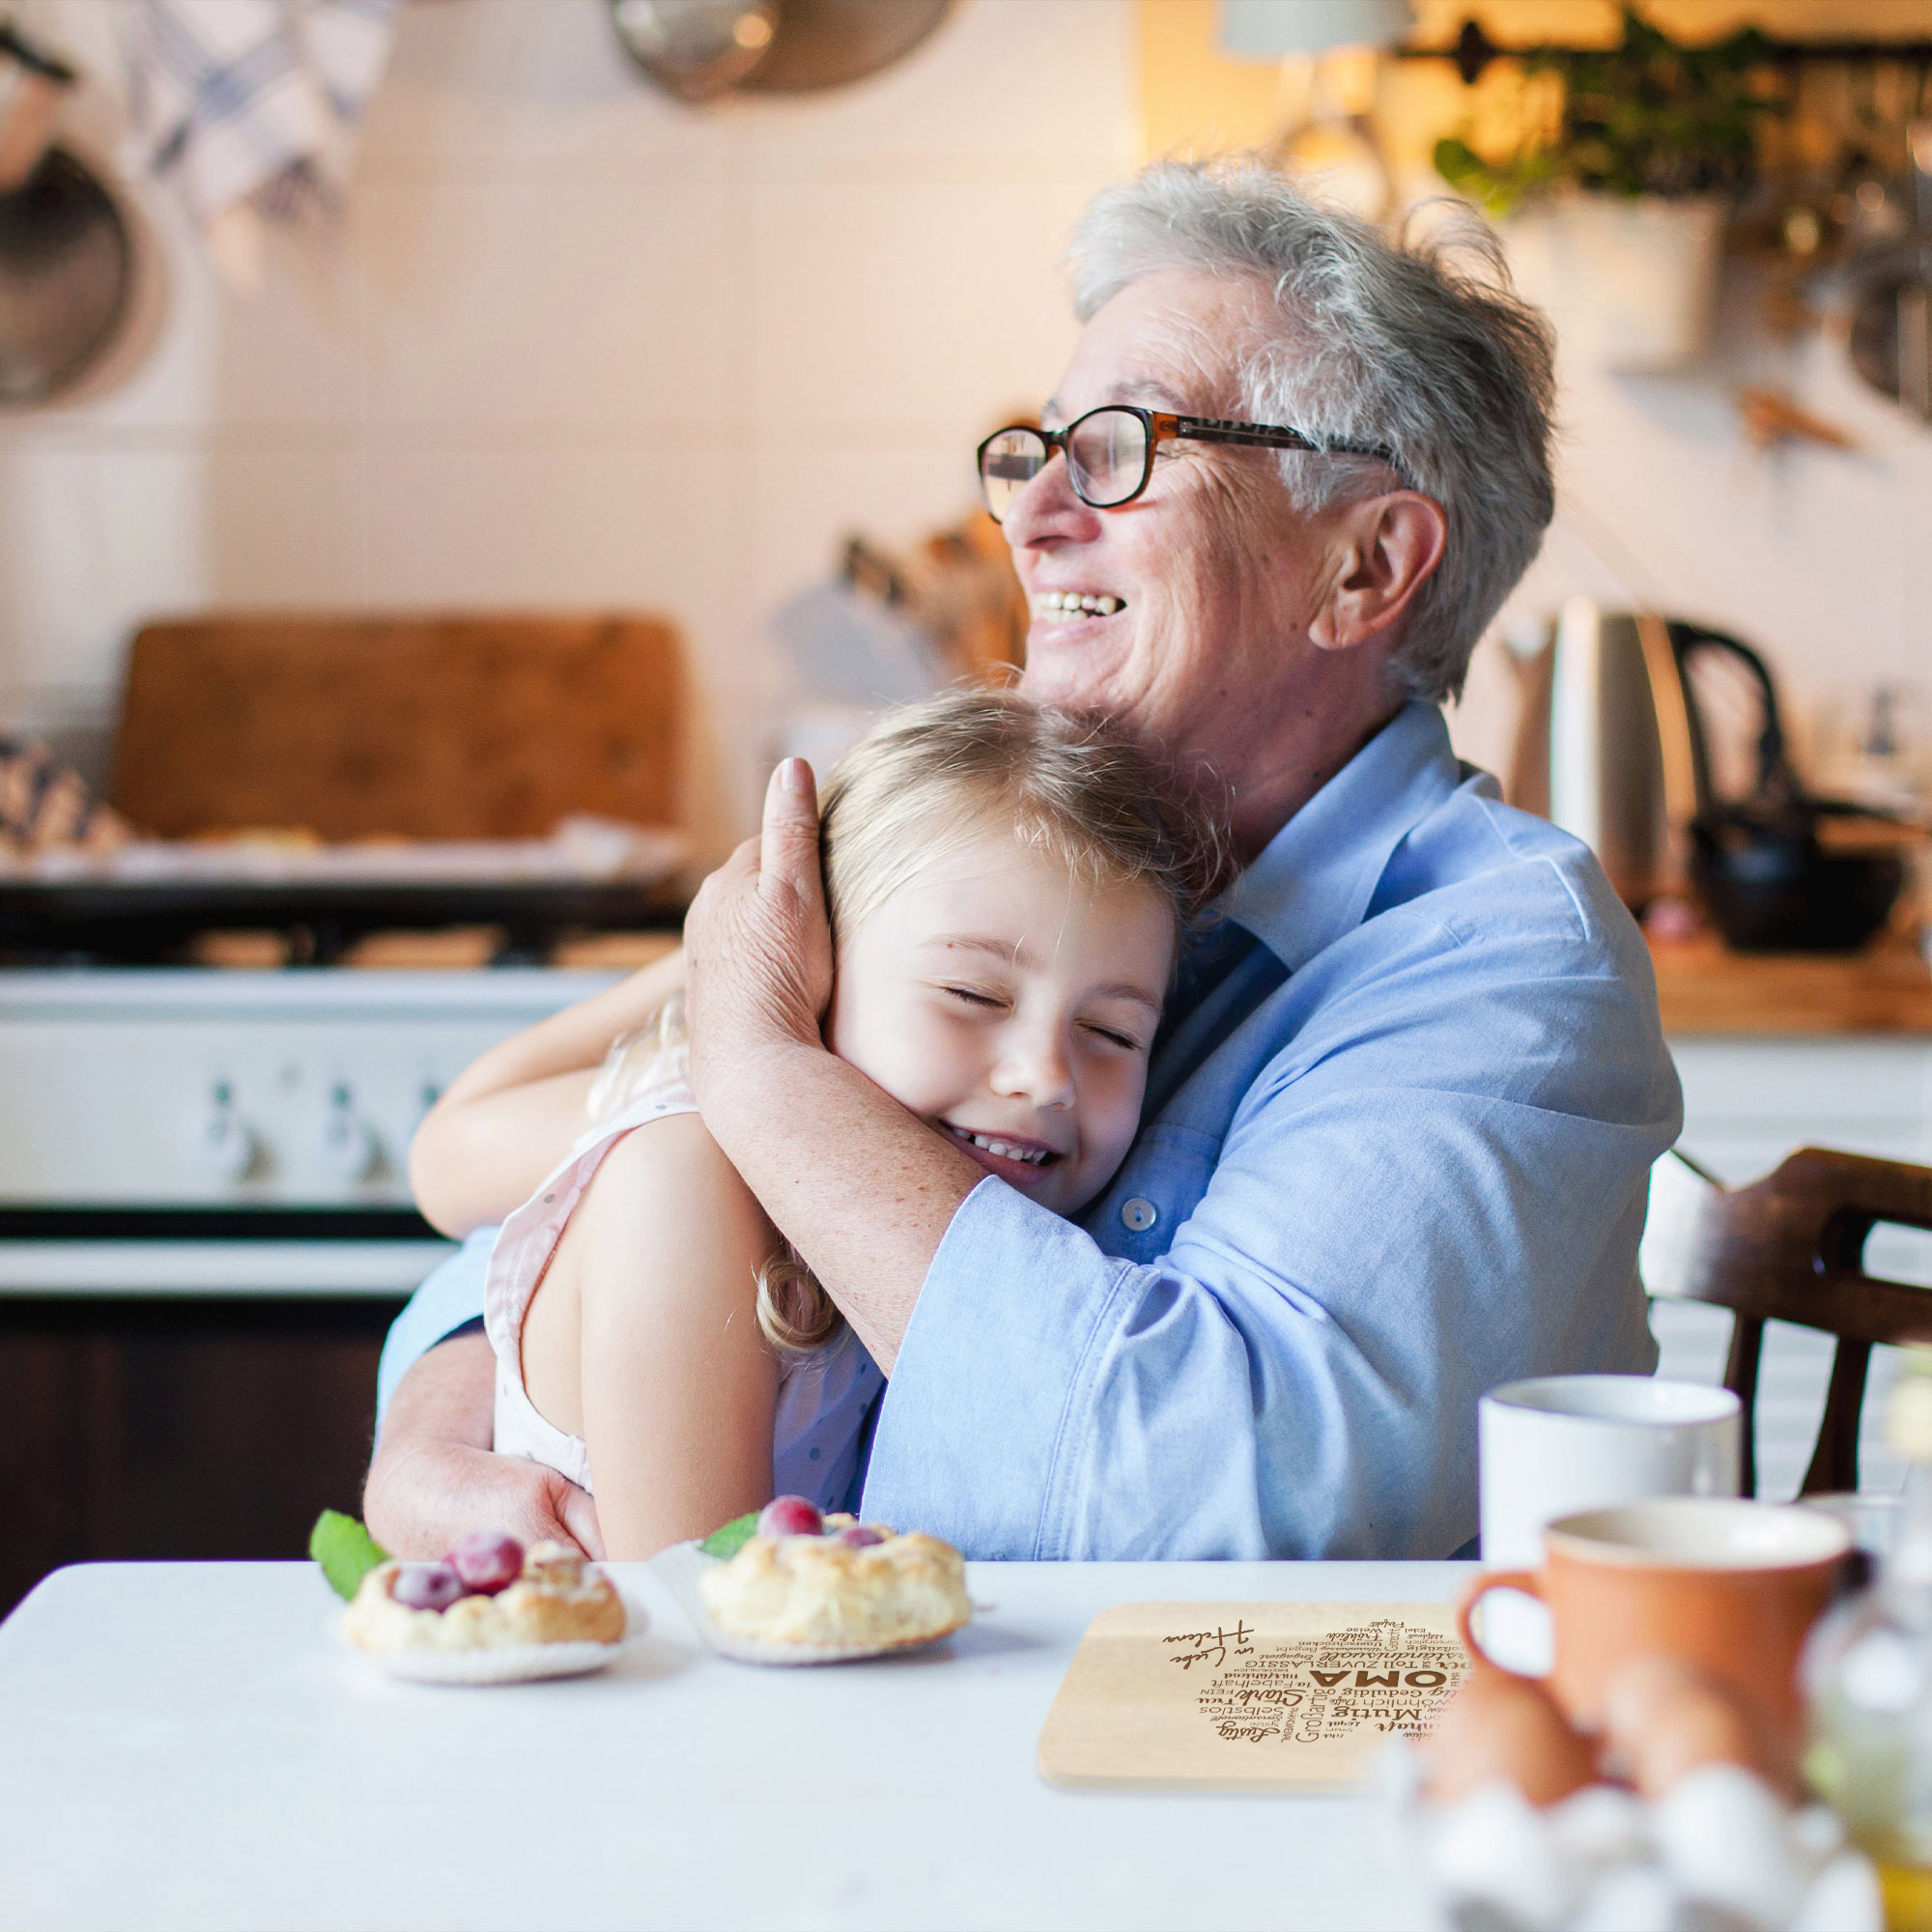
pixel 1316 876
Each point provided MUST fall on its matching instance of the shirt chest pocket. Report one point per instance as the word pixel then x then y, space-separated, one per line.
pixel 1158 1186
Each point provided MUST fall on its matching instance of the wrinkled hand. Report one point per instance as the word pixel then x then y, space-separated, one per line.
pixel 756 944
pixel 433 1478
pixel 421 1506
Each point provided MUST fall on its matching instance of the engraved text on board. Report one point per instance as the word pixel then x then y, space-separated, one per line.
pixel 1383 1677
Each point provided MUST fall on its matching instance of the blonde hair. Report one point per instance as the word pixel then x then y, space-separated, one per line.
pixel 930 775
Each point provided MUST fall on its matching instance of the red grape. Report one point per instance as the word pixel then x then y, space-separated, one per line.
pixel 860 1536
pixel 487 1563
pixel 790 1515
pixel 427 1586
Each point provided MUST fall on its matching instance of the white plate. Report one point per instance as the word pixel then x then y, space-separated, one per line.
pixel 512 1664
pixel 683 1563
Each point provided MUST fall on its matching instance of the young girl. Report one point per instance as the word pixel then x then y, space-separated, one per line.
pixel 1007 887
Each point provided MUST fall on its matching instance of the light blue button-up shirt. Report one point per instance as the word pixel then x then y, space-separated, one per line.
pixel 1395 1152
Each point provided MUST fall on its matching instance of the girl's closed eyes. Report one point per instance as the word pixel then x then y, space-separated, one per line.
pixel 1031 1052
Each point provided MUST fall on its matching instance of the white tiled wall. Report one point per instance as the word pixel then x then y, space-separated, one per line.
pixel 575 344
pixel 1820 557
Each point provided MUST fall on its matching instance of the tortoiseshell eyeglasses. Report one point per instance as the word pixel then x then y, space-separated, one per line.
pixel 1110 451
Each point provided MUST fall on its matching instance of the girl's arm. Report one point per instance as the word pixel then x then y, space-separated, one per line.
pixel 675 1385
pixel 513 1115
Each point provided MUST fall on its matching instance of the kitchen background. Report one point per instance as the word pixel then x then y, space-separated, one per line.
pixel 573 347
pixel 576 345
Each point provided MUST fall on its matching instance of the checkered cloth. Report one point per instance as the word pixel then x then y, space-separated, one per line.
pixel 45 806
pixel 254 102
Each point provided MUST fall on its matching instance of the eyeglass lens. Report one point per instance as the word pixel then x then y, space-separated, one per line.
pixel 1106 458
pixel 1007 464
pixel 1107 454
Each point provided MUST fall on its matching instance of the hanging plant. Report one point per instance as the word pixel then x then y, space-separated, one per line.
pixel 1649 117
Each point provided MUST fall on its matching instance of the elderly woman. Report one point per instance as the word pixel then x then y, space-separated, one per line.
pixel 1404 1101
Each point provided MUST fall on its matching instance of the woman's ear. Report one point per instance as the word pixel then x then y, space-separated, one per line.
pixel 1386 548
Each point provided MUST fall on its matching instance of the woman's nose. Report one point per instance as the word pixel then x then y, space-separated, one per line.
pixel 1035 1066
pixel 1047 510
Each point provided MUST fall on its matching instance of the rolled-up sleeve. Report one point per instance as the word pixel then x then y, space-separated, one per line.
pixel 448 1300
pixel 971 1438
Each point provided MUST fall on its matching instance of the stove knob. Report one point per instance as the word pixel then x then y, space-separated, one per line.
pixel 349 1149
pixel 227 1146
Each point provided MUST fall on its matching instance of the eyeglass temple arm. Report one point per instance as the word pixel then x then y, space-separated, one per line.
pixel 1214 428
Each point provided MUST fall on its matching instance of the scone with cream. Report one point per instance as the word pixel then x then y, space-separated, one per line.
pixel 488 1594
pixel 807 1580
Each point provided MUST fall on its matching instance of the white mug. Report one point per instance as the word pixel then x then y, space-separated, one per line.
pixel 1563 1443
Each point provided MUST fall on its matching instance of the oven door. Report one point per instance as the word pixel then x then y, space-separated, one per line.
pixel 189 1382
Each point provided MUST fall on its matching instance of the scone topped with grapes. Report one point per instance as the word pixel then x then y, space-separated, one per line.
pixel 489 1593
pixel 800 1577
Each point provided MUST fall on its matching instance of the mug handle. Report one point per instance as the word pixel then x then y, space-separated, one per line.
pixel 1528 1581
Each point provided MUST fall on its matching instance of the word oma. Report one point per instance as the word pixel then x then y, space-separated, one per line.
pixel 1420 1680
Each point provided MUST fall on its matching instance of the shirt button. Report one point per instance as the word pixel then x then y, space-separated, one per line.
pixel 1139 1215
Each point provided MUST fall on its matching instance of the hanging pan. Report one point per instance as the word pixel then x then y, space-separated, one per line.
pixel 66 265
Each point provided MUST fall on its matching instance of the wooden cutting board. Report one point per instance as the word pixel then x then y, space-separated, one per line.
pixel 1247 1696
pixel 413 727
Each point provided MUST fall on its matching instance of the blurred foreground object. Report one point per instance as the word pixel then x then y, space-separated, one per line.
pixel 1511 1828
pixel 1868 1675
pixel 252 108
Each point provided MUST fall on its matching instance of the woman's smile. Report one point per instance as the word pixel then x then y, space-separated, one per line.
pixel 1062 606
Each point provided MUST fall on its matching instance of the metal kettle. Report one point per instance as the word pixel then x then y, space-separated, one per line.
pixel 1589 752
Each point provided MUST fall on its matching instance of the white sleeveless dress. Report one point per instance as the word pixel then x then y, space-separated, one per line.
pixel 824 1395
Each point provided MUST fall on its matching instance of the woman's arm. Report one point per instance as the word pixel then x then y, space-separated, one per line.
pixel 433 1478
pixel 863 1189
pixel 512 1116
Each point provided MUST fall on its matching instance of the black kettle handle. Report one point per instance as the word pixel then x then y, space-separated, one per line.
pixel 1775 779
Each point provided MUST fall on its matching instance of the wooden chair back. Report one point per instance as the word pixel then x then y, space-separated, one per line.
pixel 1791 1248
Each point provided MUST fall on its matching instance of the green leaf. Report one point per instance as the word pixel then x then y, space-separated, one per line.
pixel 733 1537
pixel 345 1549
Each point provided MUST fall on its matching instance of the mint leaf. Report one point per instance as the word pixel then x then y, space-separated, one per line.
pixel 346 1552
pixel 732 1538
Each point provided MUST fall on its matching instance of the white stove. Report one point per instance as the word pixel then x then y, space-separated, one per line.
pixel 206 1132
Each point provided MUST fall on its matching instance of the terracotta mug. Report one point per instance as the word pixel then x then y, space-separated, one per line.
pixel 1730 1587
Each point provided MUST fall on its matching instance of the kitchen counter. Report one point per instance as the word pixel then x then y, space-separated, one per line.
pixel 188 1744
pixel 1704 988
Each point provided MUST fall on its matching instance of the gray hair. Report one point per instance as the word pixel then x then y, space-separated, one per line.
pixel 1383 343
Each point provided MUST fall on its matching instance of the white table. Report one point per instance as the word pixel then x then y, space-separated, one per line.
pixel 184 1745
